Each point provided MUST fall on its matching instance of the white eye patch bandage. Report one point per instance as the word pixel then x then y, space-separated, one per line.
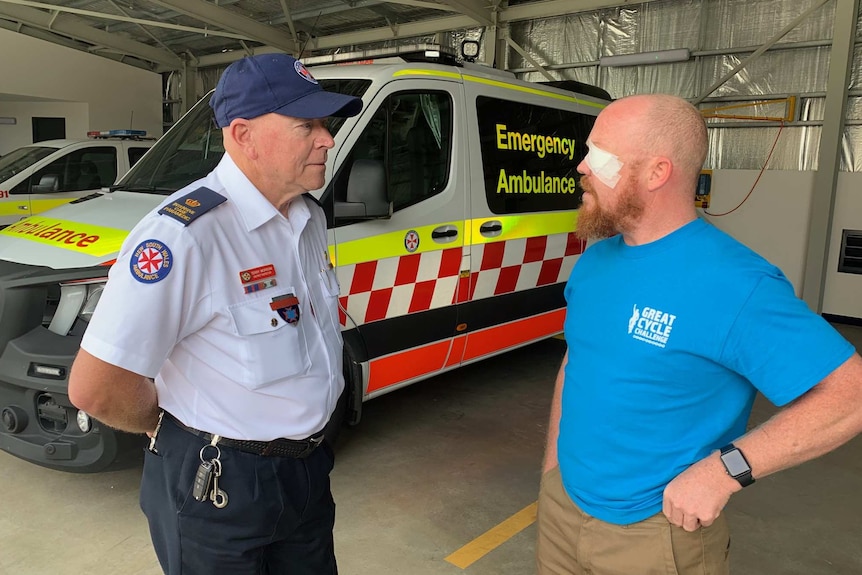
pixel 604 165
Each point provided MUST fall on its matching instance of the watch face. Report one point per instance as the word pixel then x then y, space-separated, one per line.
pixel 735 463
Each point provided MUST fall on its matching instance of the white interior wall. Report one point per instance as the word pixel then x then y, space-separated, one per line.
pixel 774 223
pixel 114 95
pixel 843 292
pixel 77 116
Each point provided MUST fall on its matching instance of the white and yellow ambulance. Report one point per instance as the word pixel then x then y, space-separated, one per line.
pixel 451 203
pixel 44 175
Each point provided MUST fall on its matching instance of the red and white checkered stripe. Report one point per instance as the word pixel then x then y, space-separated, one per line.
pixel 517 265
pixel 412 283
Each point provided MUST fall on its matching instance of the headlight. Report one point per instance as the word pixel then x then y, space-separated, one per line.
pixel 85 424
pixel 94 293
pixel 77 301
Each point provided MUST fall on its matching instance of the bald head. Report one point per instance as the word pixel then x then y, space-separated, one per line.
pixel 660 125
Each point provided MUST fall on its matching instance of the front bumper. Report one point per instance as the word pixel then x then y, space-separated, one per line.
pixel 37 421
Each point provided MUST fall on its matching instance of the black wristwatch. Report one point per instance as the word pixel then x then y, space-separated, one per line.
pixel 736 465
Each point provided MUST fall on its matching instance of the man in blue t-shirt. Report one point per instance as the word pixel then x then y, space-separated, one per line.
pixel 647 439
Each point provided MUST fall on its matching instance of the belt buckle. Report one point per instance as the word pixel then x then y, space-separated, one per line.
pixel 313 443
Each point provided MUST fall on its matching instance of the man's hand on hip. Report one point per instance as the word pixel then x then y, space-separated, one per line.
pixel 697 496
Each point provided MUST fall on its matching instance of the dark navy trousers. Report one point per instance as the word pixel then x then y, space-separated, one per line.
pixel 278 520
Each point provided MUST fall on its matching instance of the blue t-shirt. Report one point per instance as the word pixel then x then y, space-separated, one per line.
pixel 668 344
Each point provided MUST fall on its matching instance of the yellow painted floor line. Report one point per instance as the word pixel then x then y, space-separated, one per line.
pixel 493 538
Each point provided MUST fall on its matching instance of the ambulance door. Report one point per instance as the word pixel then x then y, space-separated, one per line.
pixel 398 273
pixel 75 174
pixel 526 146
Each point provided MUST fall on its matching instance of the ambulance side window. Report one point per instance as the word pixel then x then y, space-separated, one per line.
pixel 411 135
pixel 86 169
pixel 419 146
pixel 530 155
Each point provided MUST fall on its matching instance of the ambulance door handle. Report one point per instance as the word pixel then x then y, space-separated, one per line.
pixel 444 234
pixel 491 229
pixel 24 207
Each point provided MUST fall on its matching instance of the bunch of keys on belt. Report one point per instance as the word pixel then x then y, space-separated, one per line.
pixel 206 479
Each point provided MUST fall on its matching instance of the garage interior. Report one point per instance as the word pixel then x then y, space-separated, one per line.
pixel 441 477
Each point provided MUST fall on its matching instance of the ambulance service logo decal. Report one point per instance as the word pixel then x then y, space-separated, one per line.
pixel 151 261
pixel 411 241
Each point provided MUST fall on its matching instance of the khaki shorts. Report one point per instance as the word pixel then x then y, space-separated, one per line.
pixel 570 542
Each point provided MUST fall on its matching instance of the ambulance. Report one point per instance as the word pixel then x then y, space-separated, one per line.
pixel 47 174
pixel 451 206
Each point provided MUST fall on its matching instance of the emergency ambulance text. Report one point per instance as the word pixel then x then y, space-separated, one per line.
pixel 525 183
pixel 538 143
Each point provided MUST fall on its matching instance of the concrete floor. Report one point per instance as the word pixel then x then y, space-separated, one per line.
pixel 429 469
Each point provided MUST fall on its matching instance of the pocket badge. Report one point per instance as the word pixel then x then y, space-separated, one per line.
pixel 287 307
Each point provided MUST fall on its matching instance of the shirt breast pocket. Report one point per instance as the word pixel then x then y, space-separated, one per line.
pixel 272 348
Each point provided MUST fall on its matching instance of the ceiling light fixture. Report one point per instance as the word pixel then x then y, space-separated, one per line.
pixel 646 58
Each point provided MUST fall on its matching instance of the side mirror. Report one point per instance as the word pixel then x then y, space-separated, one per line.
pixel 47 184
pixel 366 193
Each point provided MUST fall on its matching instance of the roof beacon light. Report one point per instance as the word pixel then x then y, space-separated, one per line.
pixel 117 134
pixel 429 53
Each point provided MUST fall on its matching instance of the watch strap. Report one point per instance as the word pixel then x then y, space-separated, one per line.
pixel 745 478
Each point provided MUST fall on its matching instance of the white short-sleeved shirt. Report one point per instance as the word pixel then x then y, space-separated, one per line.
pixel 208 308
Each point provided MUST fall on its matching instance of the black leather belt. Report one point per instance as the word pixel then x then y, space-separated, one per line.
pixel 298 448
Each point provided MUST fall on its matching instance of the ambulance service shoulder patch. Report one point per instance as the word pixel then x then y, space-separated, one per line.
pixel 193 205
pixel 151 262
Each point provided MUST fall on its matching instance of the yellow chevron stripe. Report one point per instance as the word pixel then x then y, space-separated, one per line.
pixel 499 84
pixel 514 227
pixel 39 206
pixel 390 244
pixel 9 207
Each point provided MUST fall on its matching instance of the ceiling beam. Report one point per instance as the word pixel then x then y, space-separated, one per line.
pixel 124 18
pixel 421 4
pixel 286 11
pixel 322 9
pixel 474 9
pixel 552 8
pixel 547 9
pixel 75 28
pixel 406 30
pixel 229 20
pixel 143 28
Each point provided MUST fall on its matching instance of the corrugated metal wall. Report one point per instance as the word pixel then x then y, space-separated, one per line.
pixel 720 35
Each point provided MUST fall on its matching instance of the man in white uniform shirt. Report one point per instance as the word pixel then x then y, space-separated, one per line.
pixel 218 335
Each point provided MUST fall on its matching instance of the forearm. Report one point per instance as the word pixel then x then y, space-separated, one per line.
pixel 117 397
pixel 829 415
pixel 551 459
pixel 135 412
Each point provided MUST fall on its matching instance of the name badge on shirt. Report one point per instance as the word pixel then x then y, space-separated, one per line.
pixel 263 277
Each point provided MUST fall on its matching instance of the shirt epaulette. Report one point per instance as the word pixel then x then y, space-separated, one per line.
pixel 193 205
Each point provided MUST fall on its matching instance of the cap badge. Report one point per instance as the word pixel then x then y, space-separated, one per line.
pixel 303 71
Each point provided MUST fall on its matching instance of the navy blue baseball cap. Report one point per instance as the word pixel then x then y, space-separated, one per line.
pixel 278 83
